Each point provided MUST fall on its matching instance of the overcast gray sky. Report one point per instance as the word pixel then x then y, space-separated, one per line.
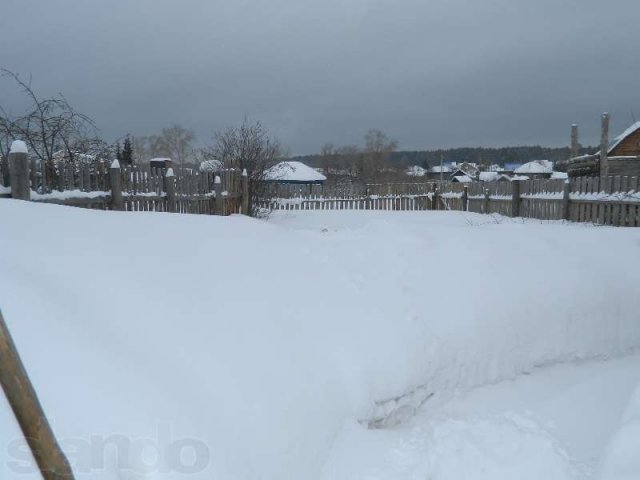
pixel 430 73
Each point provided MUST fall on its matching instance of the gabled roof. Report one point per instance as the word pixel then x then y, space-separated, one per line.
pixel 616 141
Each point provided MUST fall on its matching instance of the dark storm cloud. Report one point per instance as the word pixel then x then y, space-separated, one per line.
pixel 431 73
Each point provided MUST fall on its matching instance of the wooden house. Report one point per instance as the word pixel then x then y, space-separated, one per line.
pixel 620 156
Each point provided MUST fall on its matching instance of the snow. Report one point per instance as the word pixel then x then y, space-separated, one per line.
pixel 18 146
pixel 292 171
pixel 519 177
pixel 489 176
pixel 536 166
pixel 622 457
pixel 439 169
pixel 68 194
pixel 463 178
pixel 559 175
pixel 115 164
pixel 276 343
pixel 5 190
pixel 416 171
pixel 211 166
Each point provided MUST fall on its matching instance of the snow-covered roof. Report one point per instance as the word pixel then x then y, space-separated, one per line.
pixel 559 175
pixel 488 176
pixel 293 171
pixel 211 166
pixel 439 169
pixel 617 140
pixel 519 177
pixel 536 166
pixel 463 178
pixel 416 171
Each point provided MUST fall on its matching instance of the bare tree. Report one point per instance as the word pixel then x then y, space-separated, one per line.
pixel 374 161
pixel 328 158
pixel 48 126
pixel 247 147
pixel 175 142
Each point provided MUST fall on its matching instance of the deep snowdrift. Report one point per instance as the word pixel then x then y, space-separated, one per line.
pixel 262 340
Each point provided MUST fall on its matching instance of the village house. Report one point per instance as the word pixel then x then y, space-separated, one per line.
pixel 536 169
pixel 620 156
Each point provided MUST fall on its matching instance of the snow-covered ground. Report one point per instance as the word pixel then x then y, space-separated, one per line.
pixel 324 344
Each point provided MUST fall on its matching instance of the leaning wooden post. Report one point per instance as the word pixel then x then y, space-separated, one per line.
pixel 566 194
pixel 19 171
pixel 515 198
pixel 170 187
pixel 26 407
pixel 245 192
pixel 217 187
pixel 465 197
pixel 604 146
pixel 115 177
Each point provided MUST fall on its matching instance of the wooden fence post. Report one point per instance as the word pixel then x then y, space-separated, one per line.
pixel 245 192
pixel 217 186
pixel 566 193
pixel 26 407
pixel 485 201
pixel 434 197
pixel 465 197
pixel 604 146
pixel 515 198
pixel 115 178
pixel 170 187
pixel 19 177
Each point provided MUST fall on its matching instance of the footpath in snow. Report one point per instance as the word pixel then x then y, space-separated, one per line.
pixel 274 344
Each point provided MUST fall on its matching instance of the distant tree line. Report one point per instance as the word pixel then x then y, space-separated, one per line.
pixel 345 159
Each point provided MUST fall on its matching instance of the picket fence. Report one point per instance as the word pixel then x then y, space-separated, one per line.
pixel 613 200
pixel 129 188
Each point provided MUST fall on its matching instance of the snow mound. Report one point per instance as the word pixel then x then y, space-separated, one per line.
pixel 622 457
pixel 260 340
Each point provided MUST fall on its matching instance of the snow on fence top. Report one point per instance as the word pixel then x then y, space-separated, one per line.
pixel 292 171
pixel 18 146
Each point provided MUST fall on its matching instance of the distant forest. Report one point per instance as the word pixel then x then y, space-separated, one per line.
pixel 480 155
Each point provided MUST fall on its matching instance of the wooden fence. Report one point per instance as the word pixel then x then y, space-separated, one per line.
pixel 129 188
pixel 613 200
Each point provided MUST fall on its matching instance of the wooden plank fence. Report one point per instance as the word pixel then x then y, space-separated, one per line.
pixel 129 188
pixel 613 200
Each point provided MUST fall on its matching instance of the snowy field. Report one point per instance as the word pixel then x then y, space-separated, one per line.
pixel 325 345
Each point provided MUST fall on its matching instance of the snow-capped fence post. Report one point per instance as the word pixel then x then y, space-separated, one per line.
pixel 485 201
pixel 566 191
pixel 217 187
pixel 245 192
pixel 434 196
pixel 515 198
pixel 26 407
pixel 115 177
pixel 604 146
pixel 170 187
pixel 465 197
pixel 19 177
